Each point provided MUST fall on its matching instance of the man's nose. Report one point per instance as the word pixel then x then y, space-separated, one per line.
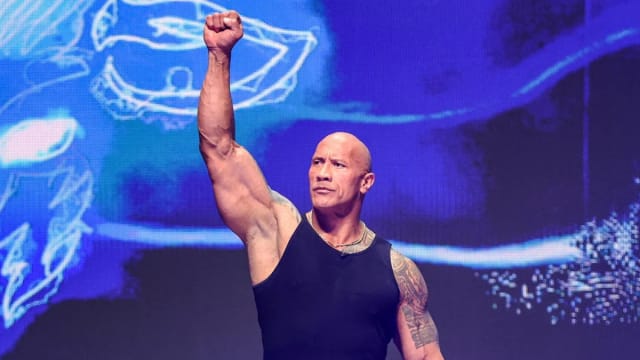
pixel 324 173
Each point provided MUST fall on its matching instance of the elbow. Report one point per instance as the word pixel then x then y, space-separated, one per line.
pixel 220 145
pixel 218 142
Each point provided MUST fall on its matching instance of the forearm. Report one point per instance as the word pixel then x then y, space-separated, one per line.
pixel 216 123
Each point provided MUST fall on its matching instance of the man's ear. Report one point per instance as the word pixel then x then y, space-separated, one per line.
pixel 367 182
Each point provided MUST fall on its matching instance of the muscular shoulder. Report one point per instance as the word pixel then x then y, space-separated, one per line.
pixel 409 279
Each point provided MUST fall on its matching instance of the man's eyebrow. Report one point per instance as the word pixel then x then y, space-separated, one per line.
pixel 330 159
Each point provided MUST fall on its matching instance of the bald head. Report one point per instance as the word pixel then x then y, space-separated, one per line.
pixel 351 145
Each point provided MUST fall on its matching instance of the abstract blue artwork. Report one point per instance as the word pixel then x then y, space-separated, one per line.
pixel 503 135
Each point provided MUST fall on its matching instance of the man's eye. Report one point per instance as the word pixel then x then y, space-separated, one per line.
pixel 339 165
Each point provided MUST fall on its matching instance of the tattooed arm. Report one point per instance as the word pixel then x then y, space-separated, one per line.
pixel 417 336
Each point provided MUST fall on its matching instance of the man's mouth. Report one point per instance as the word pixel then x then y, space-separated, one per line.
pixel 322 190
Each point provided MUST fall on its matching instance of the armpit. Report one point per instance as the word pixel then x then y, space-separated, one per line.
pixel 286 204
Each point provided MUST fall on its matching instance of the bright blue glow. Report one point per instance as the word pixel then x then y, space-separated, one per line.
pixel 557 250
pixel 38 140
pixel 530 253
pixel 162 236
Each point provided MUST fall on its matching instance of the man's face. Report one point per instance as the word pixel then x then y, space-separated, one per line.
pixel 337 173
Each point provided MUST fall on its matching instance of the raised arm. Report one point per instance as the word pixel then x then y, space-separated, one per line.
pixel 417 336
pixel 242 195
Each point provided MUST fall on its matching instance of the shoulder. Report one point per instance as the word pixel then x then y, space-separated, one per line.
pixel 402 263
pixel 410 281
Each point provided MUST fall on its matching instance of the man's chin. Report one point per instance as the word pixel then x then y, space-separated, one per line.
pixel 323 205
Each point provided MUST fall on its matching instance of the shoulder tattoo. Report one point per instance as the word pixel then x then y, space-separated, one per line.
pixel 413 300
pixel 286 203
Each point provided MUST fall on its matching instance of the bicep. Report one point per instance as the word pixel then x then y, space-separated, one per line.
pixel 417 335
pixel 242 195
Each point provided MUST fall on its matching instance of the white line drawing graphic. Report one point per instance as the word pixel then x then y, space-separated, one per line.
pixel 26 279
pixel 32 280
pixel 269 82
pixel 46 33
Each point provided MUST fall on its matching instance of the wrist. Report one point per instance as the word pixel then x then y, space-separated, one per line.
pixel 217 56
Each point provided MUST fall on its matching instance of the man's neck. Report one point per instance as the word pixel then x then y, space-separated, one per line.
pixel 337 231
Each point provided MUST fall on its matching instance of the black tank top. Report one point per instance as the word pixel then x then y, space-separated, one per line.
pixel 321 304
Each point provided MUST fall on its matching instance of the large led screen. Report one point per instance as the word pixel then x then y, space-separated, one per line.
pixel 505 138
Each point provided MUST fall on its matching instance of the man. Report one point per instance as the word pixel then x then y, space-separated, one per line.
pixel 326 287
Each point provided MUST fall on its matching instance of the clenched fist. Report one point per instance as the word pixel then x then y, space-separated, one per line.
pixel 222 31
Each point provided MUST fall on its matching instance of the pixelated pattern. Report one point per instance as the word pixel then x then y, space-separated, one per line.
pixel 600 287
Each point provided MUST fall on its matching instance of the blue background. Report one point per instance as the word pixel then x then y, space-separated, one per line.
pixel 503 135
